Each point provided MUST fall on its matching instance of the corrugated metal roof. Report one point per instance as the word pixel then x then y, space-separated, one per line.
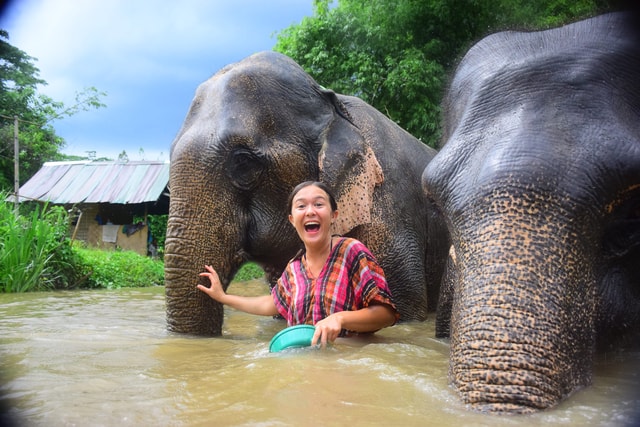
pixel 97 182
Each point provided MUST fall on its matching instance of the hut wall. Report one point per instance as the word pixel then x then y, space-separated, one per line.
pixel 108 236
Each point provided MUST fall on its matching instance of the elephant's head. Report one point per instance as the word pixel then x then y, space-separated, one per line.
pixel 539 181
pixel 254 130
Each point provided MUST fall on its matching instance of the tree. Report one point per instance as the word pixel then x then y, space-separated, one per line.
pixel 19 80
pixel 397 54
pixel 123 157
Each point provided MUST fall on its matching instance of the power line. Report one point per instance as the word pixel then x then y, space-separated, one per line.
pixel 24 120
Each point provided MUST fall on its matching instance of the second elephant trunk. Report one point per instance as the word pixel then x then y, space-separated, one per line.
pixel 522 329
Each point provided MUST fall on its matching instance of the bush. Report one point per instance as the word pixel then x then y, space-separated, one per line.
pixel 33 248
pixel 118 269
pixel 157 227
pixel 248 271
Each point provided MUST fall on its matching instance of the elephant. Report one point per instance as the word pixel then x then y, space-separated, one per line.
pixel 255 130
pixel 538 180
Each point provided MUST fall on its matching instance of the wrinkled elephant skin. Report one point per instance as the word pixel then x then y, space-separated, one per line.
pixel 255 130
pixel 539 183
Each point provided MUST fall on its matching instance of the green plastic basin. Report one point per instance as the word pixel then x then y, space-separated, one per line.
pixel 292 337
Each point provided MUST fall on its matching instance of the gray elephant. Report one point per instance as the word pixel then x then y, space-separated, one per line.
pixel 255 130
pixel 539 183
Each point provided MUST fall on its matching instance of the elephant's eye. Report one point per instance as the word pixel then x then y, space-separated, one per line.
pixel 244 168
pixel 622 234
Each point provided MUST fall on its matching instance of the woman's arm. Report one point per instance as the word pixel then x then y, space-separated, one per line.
pixel 368 319
pixel 262 305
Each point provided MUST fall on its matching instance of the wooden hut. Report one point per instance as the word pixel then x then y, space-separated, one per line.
pixel 103 198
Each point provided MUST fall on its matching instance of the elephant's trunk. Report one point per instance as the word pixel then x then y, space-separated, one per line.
pixel 522 328
pixel 198 234
pixel 188 310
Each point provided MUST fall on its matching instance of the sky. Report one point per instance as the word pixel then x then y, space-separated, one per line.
pixel 149 56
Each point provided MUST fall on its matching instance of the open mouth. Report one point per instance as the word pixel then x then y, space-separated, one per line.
pixel 312 227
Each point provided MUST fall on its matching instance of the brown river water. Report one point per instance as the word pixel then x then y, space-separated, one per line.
pixel 105 358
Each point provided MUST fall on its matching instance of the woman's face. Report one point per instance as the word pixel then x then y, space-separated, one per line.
pixel 311 215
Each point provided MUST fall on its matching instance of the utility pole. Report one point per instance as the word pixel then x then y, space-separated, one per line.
pixel 16 163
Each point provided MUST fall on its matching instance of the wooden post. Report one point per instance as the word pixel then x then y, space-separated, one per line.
pixel 16 165
pixel 75 230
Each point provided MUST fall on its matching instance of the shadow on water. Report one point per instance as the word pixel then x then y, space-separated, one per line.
pixel 105 358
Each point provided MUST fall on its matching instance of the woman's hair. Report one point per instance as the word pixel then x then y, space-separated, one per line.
pixel 320 185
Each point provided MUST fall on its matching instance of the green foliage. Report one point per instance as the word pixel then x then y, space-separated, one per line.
pixel 397 54
pixel 248 271
pixel 36 254
pixel 118 269
pixel 157 227
pixel 18 72
pixel 34 250
pixel 540 15
pixel 38 142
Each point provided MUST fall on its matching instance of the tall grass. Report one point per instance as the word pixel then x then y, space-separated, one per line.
pixel 28 246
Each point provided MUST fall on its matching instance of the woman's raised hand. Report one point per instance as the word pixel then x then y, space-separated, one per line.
pixel 215 291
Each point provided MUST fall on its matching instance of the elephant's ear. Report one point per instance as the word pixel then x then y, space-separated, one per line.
pixel 349 166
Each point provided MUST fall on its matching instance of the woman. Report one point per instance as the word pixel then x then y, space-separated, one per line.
pixel 335 283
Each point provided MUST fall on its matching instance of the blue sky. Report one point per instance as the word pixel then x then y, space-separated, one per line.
pixel 148 55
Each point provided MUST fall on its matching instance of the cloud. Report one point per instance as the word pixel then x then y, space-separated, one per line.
pixel 148 55
pixel 129 40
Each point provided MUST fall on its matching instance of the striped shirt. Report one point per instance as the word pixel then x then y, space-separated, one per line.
pixel 351 279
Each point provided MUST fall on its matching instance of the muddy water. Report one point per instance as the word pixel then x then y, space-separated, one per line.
pixel 104 358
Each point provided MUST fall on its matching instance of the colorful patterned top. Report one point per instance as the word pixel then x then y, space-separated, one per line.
pixel 351 279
